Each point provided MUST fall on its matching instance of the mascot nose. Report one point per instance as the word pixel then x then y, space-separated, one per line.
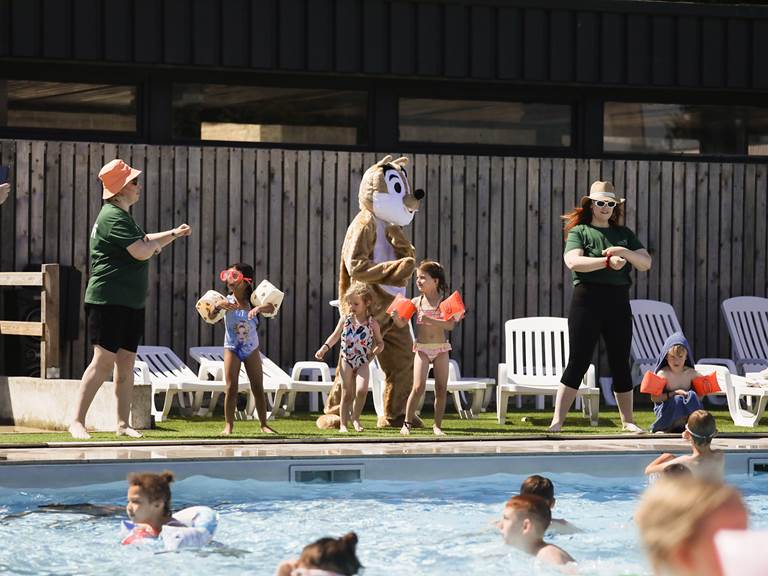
pixel 419 194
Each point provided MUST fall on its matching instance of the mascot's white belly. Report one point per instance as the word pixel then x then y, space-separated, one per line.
pixel 383 251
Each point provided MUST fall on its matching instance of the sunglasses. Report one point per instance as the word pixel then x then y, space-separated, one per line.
pixel 601 203
pixel 233 275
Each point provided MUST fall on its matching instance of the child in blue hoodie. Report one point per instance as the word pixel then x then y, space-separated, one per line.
pixel 678 400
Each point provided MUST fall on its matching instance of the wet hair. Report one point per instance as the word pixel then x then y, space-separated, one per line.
pixel 247 271
pixel 436 271
pixel 702 427
pixel 539 486
pixel 359 289
pixel 154 486
pixel 582 214
pixel 677 470
pixel 535 508
pixel 678 351
pixel 333 554
pixel 672 509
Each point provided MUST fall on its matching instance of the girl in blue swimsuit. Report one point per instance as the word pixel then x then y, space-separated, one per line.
pixel 241 343
pixel 360 341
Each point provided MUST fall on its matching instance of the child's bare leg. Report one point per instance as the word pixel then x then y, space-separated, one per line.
pixel 231 377
pixel 347 394
pixel 361 395
pixel 256 378
pixel 440 367
pixel 420 370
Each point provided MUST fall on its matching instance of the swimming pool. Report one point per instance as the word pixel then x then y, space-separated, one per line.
pixel 418 527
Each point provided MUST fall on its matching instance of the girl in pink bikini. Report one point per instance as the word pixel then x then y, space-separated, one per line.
pixel 360 341
pixel 431 346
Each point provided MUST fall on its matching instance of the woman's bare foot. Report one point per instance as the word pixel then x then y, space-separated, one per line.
pixel 406 429
pixel 128 431
pixel 78 431
pixel 437 431
pixel 554 428
pixel 227 430
pixel 357 425
pixel 267 430
pixel 343 429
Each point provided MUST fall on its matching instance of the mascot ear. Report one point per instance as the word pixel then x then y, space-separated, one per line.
pixel 384 161
pixel 402 161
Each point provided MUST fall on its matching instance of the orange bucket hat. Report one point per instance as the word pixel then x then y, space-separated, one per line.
pixel 114 175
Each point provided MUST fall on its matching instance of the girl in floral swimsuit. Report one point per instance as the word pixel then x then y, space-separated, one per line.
pixel 360 341
pixel 431 346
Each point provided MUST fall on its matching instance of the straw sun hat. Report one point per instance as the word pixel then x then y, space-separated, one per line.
pixel 603 191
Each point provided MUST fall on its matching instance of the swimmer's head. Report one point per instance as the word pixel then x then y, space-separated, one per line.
pixel 333 554
pixel 701 428
pixel 149 496
pixel 526 517
pixel 539 486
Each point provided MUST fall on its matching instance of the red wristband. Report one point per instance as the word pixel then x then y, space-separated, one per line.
pixel 608 261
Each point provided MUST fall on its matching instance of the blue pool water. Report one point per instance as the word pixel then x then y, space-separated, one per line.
pixel 439 527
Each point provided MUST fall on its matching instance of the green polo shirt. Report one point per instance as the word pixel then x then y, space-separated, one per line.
pixel 593 241
pixel 116 277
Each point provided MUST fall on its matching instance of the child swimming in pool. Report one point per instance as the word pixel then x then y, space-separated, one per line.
pixel 543 488
pixel 703 461
pixel 325 557
pixel 241 343
pixel 525 520
pixel 431 346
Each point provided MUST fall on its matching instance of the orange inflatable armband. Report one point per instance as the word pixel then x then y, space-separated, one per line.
pixel 704 385
pixel 652 384
pixel 403 306
pixel 453 307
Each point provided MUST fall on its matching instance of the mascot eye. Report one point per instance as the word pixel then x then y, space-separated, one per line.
pixel 395 183
pixel 398 187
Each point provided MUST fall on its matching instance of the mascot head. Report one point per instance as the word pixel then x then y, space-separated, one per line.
pixel 386 191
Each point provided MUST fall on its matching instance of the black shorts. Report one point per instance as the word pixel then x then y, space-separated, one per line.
pixel 114 327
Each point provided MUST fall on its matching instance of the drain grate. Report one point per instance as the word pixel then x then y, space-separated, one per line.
pixel 758 466
pixel 326 473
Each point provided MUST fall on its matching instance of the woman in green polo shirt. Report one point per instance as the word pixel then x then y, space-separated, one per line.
pixel 600 252
pixel 117 292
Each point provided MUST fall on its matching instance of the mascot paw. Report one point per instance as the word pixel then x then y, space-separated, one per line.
pixel 328 422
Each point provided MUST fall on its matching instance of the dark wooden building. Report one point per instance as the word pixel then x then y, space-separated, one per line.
pixel 254 120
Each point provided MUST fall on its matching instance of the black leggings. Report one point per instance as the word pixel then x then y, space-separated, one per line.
pixel 599 309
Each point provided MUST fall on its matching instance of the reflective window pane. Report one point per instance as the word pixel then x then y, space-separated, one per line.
pixel 685 129
pixel 484 122
pixel 267 114
pixel 67 106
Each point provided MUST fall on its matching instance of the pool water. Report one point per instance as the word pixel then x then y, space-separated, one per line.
pixel 438 527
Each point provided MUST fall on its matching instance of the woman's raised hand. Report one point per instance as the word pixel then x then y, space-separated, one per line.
pixel 182 230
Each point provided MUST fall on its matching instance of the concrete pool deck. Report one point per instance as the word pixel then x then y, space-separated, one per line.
pixel 157 450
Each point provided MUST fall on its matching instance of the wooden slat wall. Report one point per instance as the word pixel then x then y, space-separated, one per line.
pixel 493 222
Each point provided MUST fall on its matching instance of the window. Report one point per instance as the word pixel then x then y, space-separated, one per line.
pixel 67 106
pixel 266 114
pixel 484 122
pixel 685 129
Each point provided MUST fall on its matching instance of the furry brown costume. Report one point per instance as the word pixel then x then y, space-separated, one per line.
pixel 377 253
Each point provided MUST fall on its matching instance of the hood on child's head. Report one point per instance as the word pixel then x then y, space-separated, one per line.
pixel 674 339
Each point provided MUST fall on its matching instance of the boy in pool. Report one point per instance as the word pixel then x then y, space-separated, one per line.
pixel 523 524
pixel 543 488
pixel 702 461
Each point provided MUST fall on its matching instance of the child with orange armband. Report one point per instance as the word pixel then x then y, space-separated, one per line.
pixel 674 384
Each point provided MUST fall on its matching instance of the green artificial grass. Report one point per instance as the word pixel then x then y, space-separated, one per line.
pixel 302 426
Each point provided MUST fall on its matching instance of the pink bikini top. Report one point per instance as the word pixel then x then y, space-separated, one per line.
pixel 434 313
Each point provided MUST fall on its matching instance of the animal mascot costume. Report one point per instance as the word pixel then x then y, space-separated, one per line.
pixel 377 253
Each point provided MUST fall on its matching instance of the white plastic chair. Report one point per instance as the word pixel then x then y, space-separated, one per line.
pixel 457 385
pixel 167 373
pixel 652 323
pixel 747 320
pixel 746 402
pixel 276 380
pixel 536 354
